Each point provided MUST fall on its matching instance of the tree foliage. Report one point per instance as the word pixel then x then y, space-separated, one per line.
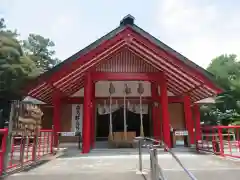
pixel 15 67
pixel 226 69
pixel 39 49
pixel 22 61
pixel 7 32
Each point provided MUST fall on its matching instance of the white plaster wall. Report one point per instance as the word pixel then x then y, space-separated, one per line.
pixel 102 89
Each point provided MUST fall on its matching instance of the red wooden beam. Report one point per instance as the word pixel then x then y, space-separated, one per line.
pixel 164 64
pixel 37 88
pixel 172 74
pixel 80 70
pixel 199 91
pixel 196 113
pixel 165 114
pixel 87 110
pixel 188 118
pixel 56 117
pixel 98 76
pixel 79 77
pixel 43 95
pixel 172 77
pixel 176 75
pixel 44 89
pixel 62 94
pixel 69 68
pixel 79 100
pixel 160 52
pixel 75 88
pixel 157 53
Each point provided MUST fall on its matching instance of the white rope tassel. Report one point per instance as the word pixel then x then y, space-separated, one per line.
pixel 111 91
pixel 110 118
pixel 124 116
pixel 141 118
pixel 140 91
pixel 127 91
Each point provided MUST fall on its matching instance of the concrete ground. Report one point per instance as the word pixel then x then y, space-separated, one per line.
pixel 103 164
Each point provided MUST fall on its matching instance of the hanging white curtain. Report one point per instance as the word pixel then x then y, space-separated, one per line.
pixel 135 108
pixel 105 109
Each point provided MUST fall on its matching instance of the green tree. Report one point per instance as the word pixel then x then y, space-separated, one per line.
pixel 15 67
pixel 39 49
pixel 7 32
pixel 2 24
pixel 226 69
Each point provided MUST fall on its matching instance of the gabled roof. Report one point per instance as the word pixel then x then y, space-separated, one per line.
pixel 130 35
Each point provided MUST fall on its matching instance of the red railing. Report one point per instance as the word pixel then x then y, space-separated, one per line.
pixel 220 140
pixel 25 149
pixel 45 143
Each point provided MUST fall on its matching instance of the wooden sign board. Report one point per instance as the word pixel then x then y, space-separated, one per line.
pixel 181 133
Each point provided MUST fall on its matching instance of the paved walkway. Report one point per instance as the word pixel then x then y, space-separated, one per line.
pixel 122 164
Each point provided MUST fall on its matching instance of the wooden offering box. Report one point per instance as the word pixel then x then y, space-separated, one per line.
pixel 119 141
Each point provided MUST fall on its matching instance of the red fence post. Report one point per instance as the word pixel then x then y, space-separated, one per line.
pixel 52 140
pixel 3 149
pixel 34 149
pixel 238 139
pixel 221 141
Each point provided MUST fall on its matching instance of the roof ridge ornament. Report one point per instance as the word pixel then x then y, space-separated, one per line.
pixel 127 20
pixel 128 39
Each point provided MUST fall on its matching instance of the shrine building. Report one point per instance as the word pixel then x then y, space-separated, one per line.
pixel 125 84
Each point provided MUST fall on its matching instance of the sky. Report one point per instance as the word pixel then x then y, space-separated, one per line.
pixel 198 29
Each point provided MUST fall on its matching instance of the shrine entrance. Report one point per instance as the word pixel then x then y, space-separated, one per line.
pixel 120 120
pixel 133 123
pixel 128 53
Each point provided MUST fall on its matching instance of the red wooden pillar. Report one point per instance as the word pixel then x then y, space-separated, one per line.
pixel 155 116
pixel 165 113
pixel 93 114
pixel 86 136
pixel 196 112
pixel 188 118
pixel 56 117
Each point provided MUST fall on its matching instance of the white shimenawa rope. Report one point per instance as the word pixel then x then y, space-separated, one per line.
pixel 111 91
pixel 140 91
pixel 110 118
pixel 141 118
pixel 125 116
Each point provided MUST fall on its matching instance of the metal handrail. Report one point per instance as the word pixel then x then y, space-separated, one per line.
pixel 160 172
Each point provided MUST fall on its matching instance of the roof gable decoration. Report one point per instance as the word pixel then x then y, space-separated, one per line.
pixel 182 75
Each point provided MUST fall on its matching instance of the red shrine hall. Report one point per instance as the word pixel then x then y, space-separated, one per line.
pixel 123 85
